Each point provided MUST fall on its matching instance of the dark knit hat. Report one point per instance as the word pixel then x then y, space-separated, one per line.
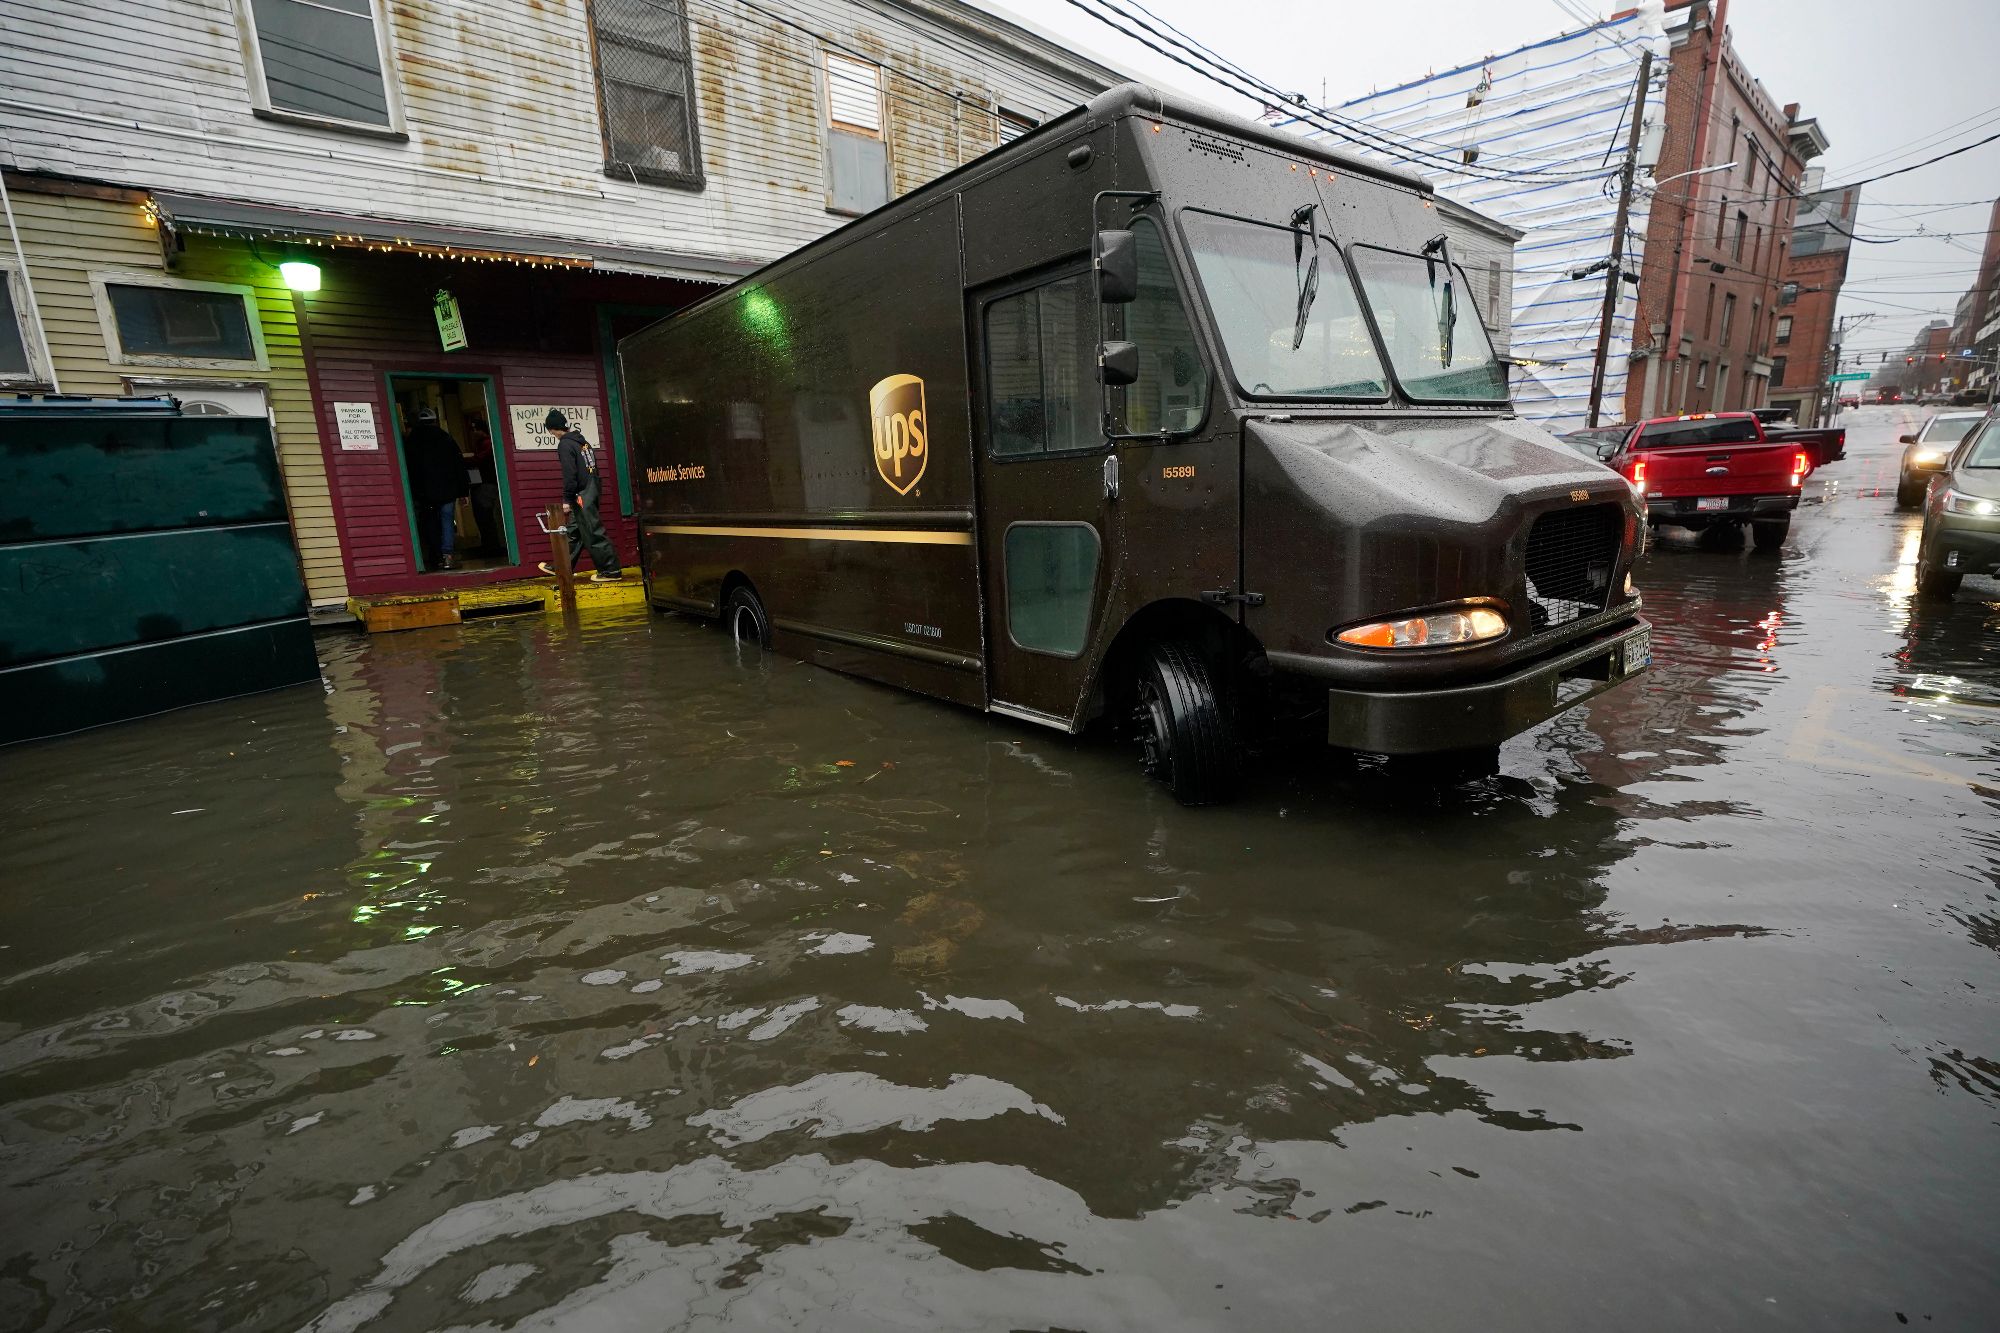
pixel 555 421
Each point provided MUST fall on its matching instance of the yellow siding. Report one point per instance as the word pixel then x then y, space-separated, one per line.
pixel 68 237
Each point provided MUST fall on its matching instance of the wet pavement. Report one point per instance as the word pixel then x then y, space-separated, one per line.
pixel 587 977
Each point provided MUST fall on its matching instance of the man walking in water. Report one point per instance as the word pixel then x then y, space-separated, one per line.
pixel 580 493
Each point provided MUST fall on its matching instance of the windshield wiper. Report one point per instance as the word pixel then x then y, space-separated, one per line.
pixel 1302 217
pixel 1440 245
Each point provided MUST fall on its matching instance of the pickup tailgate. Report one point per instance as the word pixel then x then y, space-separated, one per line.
pixel 1722 469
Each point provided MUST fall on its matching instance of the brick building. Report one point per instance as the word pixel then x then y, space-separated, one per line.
pixel 1975 331
pixel 1808 292
pixel 1717 242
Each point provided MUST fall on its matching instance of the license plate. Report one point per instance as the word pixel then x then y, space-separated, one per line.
pixel 1638 653
pixel 1717 502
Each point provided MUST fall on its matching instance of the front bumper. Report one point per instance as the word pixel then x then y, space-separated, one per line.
pixel 1461 717
pixel 1959 547
pixel 1680 511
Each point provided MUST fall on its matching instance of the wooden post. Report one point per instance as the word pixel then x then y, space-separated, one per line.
pixel 555 519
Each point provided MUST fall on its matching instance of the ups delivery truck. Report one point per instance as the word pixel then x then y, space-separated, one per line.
pixel 1152 418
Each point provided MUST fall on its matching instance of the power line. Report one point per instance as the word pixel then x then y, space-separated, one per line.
pixel 1240 81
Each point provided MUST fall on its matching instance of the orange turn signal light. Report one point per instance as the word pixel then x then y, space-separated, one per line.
pixel 1435 630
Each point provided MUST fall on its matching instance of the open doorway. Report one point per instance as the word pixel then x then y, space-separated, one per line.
pixel 460 519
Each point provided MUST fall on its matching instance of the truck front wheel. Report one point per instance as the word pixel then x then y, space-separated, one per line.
pixel 1186 739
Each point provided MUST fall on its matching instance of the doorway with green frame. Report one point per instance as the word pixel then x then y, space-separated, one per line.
pixel 479 525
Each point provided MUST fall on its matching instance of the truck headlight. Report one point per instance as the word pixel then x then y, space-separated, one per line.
pixel 1958 502
pixel 1432 631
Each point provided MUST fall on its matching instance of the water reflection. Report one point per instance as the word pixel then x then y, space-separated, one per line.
pixel 547 974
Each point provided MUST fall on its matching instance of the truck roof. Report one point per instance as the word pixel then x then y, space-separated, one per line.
pixel 1111 104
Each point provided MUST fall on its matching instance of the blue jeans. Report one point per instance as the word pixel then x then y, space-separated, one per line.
pixel 447 521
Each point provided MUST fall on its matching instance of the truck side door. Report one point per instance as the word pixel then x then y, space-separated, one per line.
pixel 1048 531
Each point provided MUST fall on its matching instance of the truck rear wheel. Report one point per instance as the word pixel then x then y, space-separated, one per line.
pixel 743 619
pixel 1186 739
pixel 1769 533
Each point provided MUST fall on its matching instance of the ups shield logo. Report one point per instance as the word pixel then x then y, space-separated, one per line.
pixel 896 406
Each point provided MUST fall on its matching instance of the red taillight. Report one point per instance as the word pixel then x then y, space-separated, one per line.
pixel 1800 462
pixel 1639 473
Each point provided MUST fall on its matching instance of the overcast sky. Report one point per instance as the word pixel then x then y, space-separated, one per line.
pixel 1891 84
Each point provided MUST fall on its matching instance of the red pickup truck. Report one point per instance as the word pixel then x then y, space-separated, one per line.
pixel 1716 471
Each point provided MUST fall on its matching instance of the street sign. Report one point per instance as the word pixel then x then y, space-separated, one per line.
pixel 1850 376
pixel 451 326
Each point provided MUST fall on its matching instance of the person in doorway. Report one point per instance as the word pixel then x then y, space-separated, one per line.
pixel 580 496
pixel 437 483
pixel 485 490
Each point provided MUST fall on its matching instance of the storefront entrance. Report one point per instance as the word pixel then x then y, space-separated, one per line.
pixel 452 534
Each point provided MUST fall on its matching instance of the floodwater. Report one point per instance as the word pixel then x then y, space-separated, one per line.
pixel 537 976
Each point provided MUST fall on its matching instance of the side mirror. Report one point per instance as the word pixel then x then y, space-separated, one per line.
pixel 1117 363
pixel 1907 439
pixel 1115 256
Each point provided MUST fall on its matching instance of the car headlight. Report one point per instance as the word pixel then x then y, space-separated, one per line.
pixel 1958 502
pixel 1432 631
pixel 1927 456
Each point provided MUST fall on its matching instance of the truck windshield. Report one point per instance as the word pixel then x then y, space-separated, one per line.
pixel 1432 363
pixel 1252 276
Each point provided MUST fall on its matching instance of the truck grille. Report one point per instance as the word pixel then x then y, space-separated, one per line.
pixel 1571 554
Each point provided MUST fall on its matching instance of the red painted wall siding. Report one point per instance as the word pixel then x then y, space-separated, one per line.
pixel 534 331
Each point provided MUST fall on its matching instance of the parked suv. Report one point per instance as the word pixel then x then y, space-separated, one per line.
pixel 1925 453
pixel 1962 515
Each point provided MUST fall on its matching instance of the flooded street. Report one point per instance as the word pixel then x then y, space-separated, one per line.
pixel 589 977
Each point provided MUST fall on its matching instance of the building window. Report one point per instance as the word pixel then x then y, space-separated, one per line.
pixel 857 153
pixel 1708 315
pixel 1778 371
pixel 1011 125
pixel 1784 330
pixel 1721 219
pixel 1742 225
pixel 645 90
pixel 20 361
pixel 1788 293
pixel 324 62
pixel 150 319
pixel 1701 374
pixel 1728 318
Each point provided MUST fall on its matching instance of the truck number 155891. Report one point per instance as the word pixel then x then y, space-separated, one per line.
pixel 1178 472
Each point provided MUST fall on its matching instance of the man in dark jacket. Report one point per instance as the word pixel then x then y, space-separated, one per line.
pixel 580 493
pixel 437 482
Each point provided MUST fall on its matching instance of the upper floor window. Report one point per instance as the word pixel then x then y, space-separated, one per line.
pixel 645 90
pixel 325 62
pixel 1784 334
pixel 1728 317
pixel 1742 226
pixel 150 319
pixel 857 150
pixel 1788 293
pixel 1011 125
pixel 1778 368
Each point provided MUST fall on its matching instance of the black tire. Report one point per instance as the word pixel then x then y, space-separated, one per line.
pixel 744 621
pixel 1936 585
pixel 1769 533
pixel 1186 738
pixel 1908 496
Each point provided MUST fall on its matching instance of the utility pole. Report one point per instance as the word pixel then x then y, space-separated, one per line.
pixel 1615 279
